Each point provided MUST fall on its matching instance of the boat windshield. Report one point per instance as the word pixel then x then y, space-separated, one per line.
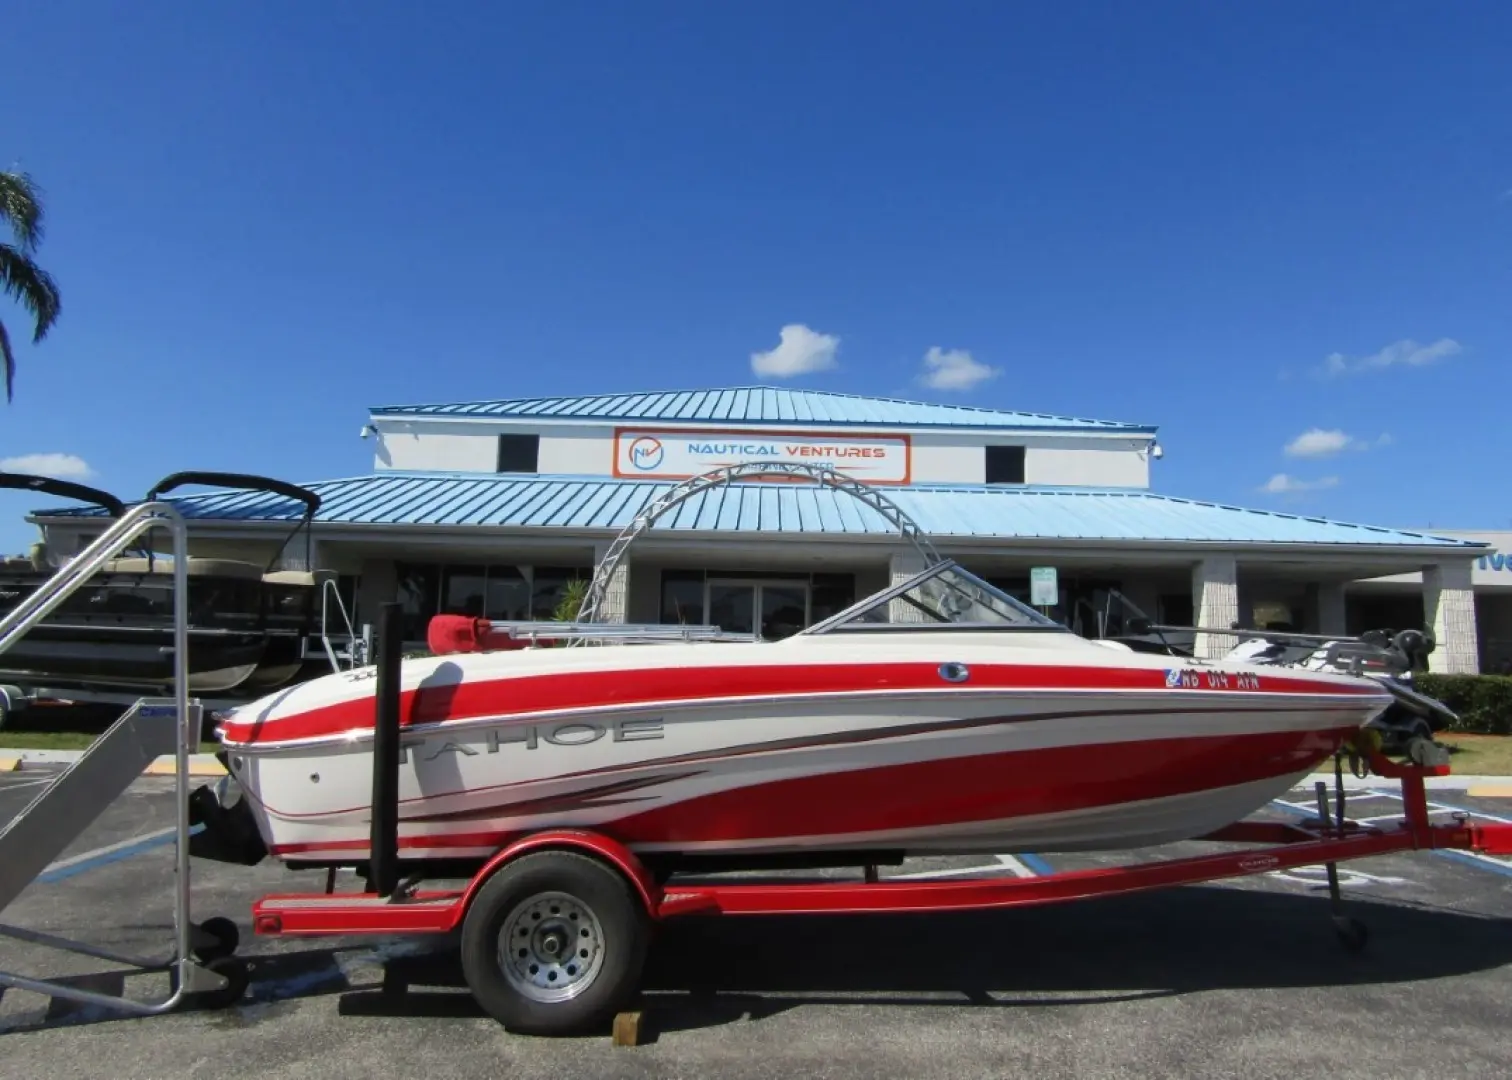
pixel 942 595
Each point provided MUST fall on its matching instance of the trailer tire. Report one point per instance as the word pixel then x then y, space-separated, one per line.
pixel 577 937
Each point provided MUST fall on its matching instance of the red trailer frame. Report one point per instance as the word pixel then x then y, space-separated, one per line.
pixel 1288 845
pixel 1328 839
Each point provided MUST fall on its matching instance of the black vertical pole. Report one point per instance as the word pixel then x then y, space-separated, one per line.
pixel 383 873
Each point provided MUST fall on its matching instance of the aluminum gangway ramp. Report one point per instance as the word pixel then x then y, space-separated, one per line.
pixel 85 790
pixel 203 969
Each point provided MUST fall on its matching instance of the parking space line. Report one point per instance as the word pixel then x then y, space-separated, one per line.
pixel 1015 865
pixel 110 853
pixel 1472 858
pixel 1036 864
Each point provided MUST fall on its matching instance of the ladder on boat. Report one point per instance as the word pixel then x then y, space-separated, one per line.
pixel 202 967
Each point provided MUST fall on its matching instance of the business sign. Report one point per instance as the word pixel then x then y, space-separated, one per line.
pixel 676 455
pixel 1043 590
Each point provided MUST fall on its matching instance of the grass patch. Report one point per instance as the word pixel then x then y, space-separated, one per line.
pixel 1478 755
pixel 65 740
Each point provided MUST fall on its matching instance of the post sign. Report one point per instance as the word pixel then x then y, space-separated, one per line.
pixel 676 455
pixel 1043 591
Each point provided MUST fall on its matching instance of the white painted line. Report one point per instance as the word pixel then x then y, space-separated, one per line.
pixel 1444 807
pixel 108 849
pixel 995 868
pixel 1482 857
pixel 1015 867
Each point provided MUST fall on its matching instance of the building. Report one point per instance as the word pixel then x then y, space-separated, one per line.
pixel 491 507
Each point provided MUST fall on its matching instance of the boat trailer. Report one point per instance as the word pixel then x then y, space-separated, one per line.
pixel 555 927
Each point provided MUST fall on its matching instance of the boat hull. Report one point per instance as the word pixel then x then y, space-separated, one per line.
pixel 125 656
pixel 751 761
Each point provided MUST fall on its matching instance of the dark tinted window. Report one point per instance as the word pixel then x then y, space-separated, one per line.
pixel 519 453
pixel 1005 464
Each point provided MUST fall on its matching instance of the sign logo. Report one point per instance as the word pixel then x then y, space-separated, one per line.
pixel 1495 561
pixel 678 454
pixel 647 452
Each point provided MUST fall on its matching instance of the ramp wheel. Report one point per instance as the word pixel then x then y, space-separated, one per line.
pixel 219 938
pixel 554 944
pixel 1352 934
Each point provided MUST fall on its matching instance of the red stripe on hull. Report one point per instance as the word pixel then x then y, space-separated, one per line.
pixel 519 695
pixel 936 794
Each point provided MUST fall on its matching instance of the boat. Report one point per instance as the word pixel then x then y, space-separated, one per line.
pixel 937 716
pixel 248 623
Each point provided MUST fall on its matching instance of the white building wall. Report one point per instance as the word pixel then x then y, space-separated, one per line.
pixel 588 450
pixel 947 459
pixel 411 446
pixel 1086 467
pixel 577 451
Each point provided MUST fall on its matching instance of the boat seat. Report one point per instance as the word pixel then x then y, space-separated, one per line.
pixel 197 567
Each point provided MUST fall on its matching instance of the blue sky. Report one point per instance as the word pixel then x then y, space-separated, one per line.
pixel 266 217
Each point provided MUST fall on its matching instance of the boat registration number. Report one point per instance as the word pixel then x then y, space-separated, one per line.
pixel 1189 679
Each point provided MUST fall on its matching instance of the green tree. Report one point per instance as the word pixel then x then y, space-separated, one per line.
pixel 22 278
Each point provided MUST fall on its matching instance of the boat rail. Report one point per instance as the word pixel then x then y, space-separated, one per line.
pixel 619 633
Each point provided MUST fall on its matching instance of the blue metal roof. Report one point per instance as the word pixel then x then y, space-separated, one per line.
pixel 758 405
pixel 595 503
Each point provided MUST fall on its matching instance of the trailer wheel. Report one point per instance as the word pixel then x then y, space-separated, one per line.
pixel 1353 934
pixel 554 944
pixel 218 937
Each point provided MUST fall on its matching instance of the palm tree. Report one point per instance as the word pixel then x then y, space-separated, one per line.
pixel 20 277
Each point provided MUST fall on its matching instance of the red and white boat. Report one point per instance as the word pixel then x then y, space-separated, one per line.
pixel 937 716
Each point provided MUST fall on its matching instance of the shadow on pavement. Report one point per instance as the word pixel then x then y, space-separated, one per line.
pixel 709 972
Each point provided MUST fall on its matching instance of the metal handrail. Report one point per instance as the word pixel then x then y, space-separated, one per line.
pixel 37 607
pixel 329 585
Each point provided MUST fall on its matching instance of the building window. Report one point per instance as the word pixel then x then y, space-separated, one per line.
pixel 519 453
pixel 682 597
pixel 1005 464
pixel 549 589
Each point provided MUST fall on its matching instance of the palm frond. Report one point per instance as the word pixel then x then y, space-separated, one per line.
pixel 21 205
pixel 32 286
pixel 10 364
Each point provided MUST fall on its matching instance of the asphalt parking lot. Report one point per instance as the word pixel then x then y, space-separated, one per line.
pixel 1238 979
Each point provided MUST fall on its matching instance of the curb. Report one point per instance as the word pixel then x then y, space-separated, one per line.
pixel 18 760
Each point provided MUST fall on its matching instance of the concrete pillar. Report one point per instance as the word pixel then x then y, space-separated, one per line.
pixel 1329 611
pixel 902 566
pixel 616 603
pixel 1449 613
pixel 1215 599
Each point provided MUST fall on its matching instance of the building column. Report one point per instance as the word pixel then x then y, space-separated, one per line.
pixel 1329 608
pixel 616 603
pixel 1449 613
pixel 1215 599
pixel 902 566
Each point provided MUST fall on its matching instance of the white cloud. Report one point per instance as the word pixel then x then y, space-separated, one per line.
pixel 954 369
pixel 799 352
pixel 1404 353
pixel 57 466
pixel 1281 484
pixel 1317 443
